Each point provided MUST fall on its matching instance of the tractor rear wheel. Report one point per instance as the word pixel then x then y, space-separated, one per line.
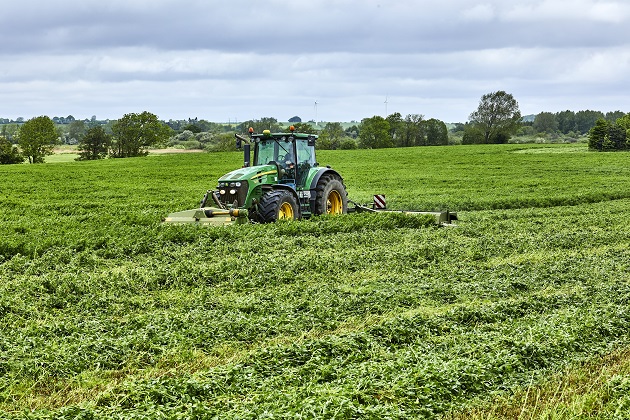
pixel 277 205
pixel 331 195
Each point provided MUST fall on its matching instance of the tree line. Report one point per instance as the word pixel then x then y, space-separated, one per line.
pixel 606 132
pixel 130 136
pixel 567 122
pixel 496 120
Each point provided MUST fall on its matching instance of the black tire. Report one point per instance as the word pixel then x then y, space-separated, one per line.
pixel 277 204
pixel 332 197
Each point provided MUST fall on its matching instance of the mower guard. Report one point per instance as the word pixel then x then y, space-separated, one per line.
pixel 441 217
pixel 208 216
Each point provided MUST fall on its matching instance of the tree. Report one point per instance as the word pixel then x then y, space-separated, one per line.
pixel 76 131
pixel 566 121
pixel 497 116
pixel 437 133
pixel 223 142
pixel 9 154
pixel 585 120
pixel 414 133
pixel 396 127
pixel 94 144
pixel 607 136
pixel 265 123
pixel 37 137
pixel 193 128
pixel 134 133
pixel 614 115
pixel 473 134
pixel 617 136
pixel 211 127
pixel 352 132
pixel 348 143
pixel 331 136
pixel 295 119
pixel 624 121
pixel 545 122
pixel 374 133
pixel 301 127
pixel 10 131
pixel 598 135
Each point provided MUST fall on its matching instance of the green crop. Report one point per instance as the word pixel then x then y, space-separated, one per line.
pixel 106 313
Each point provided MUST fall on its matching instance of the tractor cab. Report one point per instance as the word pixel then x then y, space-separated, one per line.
pixel 293 154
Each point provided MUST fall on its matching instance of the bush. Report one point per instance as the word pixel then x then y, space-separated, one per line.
pixel 607 136
pixel 9 153
pixel 221 143
pixel 472 135
pixel 348 144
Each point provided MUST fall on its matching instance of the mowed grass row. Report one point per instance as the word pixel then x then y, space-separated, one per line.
pixel 104 312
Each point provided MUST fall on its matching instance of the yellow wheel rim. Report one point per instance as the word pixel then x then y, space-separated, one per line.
pixel 334 204
pixel 286 212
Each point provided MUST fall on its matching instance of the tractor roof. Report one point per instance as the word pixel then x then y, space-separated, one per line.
pixel 278 136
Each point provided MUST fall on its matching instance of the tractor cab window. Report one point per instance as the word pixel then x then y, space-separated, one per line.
pixel 264 152
pixel 279 152
pixel 285 153
pixel 305 154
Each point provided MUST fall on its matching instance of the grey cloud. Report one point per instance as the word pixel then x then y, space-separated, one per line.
pixel 215 57
pixel 318 26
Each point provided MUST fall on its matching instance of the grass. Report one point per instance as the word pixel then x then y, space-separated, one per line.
pixel 61 157
pixel 599 388
pixel 105 313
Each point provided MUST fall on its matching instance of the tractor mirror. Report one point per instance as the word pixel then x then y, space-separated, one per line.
pixel 238 143
pixel 311 141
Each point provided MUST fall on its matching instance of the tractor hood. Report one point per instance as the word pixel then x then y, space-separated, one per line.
pixel 255 174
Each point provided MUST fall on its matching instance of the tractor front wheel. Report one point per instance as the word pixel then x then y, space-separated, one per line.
pixel 331 196
pixel 277 205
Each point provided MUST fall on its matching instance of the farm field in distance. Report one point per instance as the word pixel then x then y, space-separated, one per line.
pixel 106 313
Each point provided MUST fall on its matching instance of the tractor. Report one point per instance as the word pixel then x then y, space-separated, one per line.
pixel 285 182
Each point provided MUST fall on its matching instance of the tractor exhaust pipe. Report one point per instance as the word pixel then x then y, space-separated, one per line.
pixel 246 149
pixel 247 155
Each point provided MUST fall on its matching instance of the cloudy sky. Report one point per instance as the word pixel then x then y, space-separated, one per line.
pixel 236 60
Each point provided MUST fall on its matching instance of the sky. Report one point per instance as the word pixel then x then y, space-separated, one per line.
pixel 324 60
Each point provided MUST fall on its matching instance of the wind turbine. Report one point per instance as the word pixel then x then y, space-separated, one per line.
pixel 385 106
pixel 315 107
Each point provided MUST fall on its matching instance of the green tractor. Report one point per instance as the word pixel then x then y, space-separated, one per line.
pixel 284 182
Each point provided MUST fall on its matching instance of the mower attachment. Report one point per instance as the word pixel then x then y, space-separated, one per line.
pixel 208 216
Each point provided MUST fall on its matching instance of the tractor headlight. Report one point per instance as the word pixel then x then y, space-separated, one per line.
pixel 238 184
pixel 222 192
pixel 233 192
pixel 232 184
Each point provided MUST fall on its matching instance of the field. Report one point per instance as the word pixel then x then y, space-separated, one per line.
pixel 106 313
